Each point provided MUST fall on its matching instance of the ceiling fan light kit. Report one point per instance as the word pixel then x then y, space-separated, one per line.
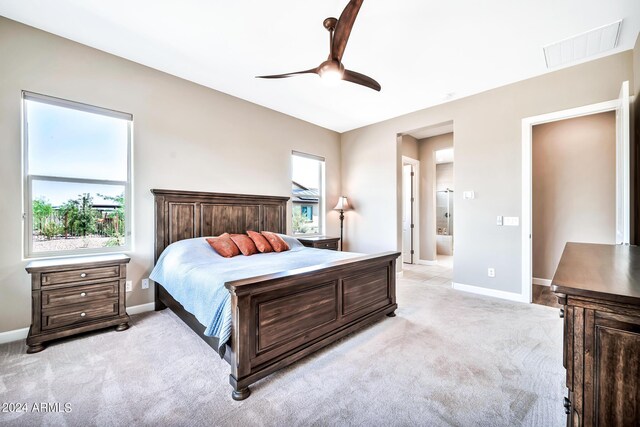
pixel 332 71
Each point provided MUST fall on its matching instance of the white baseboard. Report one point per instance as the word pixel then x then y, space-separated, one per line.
pixel 542 282
pixel 15 335
pixel 427 262
pixel 511 296
pixel 142 308
pixel 21 334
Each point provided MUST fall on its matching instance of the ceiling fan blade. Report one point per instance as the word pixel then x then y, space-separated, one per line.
pixel 284 76
pixel 361 79
pixel 343 29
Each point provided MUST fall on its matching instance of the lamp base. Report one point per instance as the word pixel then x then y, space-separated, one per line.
pixel 341 226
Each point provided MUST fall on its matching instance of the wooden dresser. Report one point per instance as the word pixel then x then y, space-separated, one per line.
pixel 74 295
pixel 320 242
pixel 599 288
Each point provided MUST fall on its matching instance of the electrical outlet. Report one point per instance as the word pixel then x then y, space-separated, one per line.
pixel 129 286
pixel 499 220
pixel 491 272
pixel 145 283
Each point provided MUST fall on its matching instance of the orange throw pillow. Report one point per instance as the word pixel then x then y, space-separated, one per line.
pixel 245 244
pixel 224 245
pixel 261 243
pixel 277 243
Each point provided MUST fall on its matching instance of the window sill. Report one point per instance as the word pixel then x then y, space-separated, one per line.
pixel 77 254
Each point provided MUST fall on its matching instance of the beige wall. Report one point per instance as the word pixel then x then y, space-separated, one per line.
pixel 574 187
pixel 427 148
pixel 409 147
pixel 186 136
pixel 488 141
pixel 636 68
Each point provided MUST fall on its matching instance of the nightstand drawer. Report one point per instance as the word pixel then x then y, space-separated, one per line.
pixel 320 242
pixel 78 313
pixel 80 275
pixel 79 294
pixel 327 245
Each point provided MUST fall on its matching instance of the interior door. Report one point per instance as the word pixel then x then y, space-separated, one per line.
pixel 407 213
pixel 623 201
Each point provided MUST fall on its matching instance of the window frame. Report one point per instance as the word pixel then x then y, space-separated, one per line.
pixel 27 179
pixel 321 202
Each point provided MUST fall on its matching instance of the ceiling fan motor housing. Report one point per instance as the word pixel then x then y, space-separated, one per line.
pixel 330 23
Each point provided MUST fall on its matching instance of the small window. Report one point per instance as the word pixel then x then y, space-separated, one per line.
pixel 77 169
pixel 307 194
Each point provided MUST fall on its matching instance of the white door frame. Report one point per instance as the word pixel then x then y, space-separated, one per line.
pixel 416 205
pixel 527 139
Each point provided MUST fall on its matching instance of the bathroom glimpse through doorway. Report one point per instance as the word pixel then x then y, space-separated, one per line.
pixel 444 212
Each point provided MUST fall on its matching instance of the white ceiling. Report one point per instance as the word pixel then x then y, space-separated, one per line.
pixel 422 52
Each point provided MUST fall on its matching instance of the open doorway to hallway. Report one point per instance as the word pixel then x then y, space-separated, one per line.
pixel 426 199
pixel 588 198
pixel 573 191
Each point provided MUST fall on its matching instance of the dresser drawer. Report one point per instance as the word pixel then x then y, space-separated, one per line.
pixel 78 313
pixel 79 294
pixel 80 275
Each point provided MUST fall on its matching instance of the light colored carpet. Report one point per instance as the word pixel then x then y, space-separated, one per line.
pixel 448 358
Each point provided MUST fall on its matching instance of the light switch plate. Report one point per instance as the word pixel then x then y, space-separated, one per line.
pixel 468 195
pixel 145 283
pixel 129 285
pixel 512 220
pixel 499 220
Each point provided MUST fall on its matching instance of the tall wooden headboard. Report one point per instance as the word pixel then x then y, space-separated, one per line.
pixel 186 214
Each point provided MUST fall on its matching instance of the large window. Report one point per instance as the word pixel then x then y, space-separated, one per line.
pixel 307 191
pixel 77 169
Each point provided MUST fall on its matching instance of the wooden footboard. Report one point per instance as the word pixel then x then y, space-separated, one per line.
pixel 281 318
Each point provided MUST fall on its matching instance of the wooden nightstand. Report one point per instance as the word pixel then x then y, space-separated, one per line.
pixel 74 295
pixel 320 242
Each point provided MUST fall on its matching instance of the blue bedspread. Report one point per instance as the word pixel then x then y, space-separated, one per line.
pixel 194 274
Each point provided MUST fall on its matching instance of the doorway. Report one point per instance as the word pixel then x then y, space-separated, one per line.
pixel 616 222
pixel 410 173
pixel 444 212
pixel 573 191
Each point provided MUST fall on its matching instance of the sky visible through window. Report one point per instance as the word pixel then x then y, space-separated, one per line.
pixel 69 143
pixel 306 171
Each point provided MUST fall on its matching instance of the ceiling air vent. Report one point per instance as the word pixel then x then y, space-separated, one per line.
pixel 583 45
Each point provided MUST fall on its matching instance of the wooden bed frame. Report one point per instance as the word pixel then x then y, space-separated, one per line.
pixel 279 318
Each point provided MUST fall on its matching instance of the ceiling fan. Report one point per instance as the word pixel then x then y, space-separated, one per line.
pixel 332 69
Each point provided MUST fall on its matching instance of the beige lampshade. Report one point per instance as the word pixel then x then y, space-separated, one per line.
pixel 342 204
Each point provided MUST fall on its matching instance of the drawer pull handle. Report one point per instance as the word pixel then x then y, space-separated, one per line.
pixel 562 313
pixel 84 294
pixel 83 275
pixel 83 314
